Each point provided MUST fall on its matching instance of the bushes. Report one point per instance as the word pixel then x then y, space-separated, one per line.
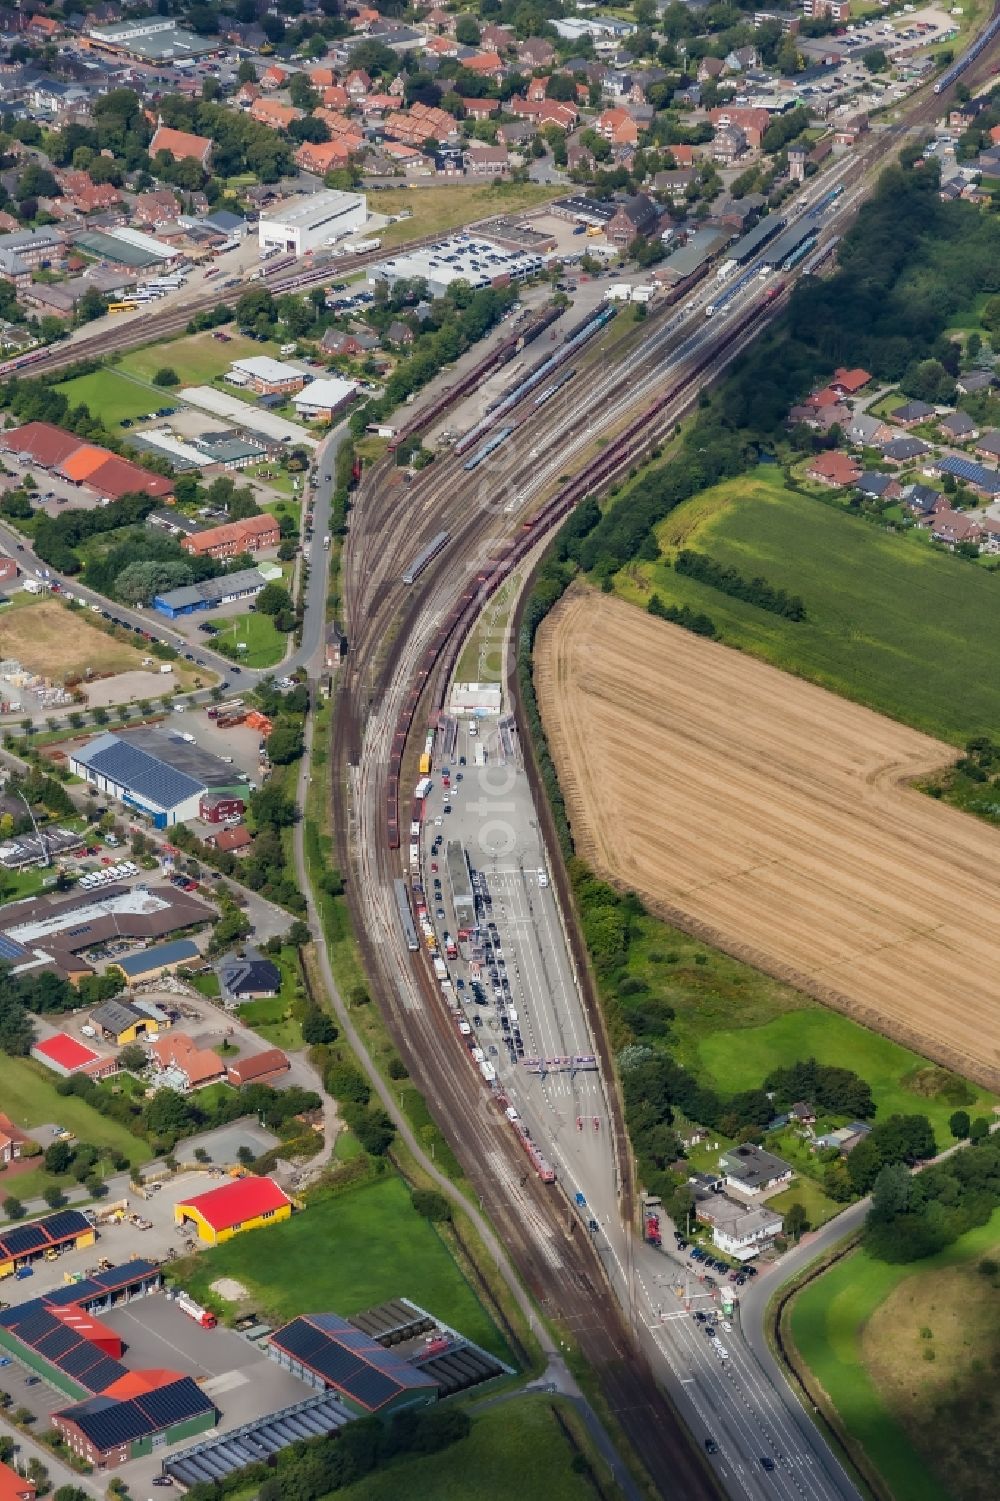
pixel 691 620
pixel 755 591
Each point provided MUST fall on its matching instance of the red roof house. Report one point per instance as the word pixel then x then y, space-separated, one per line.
pixel 849 382
pixel 834 469
pixel 14 1487
pixel 259 1068
pixel 181 144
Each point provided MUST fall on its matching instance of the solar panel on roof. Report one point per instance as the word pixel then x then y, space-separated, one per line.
pixel 371 1387
pixel 103 1373
pixel 67 1222
pixel 23 1239
pixel 57 1343
pixel 76 1292
pixel 80 1359
pixel 118 1276
pixel 172 1404
pixel 335 1363
pixel 36 1326
pixel 145 775
pixel 300 1339
pixel 10 949
pixel 108 1427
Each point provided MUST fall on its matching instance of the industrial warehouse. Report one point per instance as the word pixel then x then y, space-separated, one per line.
pixel 160 775
pixel 306 224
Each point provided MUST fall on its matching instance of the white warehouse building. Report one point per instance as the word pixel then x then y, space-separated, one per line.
pixel 311 221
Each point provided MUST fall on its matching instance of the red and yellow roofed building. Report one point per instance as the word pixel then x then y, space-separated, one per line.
pixel 245 1204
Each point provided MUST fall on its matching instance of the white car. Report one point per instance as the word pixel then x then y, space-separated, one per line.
pixel 438 821
pixel 727 1326
pixel 721 1351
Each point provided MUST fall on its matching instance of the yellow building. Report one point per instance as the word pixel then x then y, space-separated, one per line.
pixel 246 1204
pixel 126 1023
pixel 67 1230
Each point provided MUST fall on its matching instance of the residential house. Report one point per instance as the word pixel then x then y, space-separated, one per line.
pixel 845 1138
pixel 231 841
pixel 802 1113
pixel 633 216
pixel 181 144
pixel 322 156
pixel 13 1140
pixel 750 1170
pixel 959 427
pixel 536 53
pixel 498 38
pixel 545 112
pixel 742 59
pixel 250 979
pixel 834 469
pixel 910 413
pixel 618 127
pixel 736 1230
pixel 183 1064
pixel 399 332
pixel 820 418
pixel 847 133
pixel 155 208
pixel 753 122
pixel 951 528
pixel 849 382
pixel 974 381
pixel 273 113
pixel 485 65
pixel 253 534
pixel 274 77
pixel 988 446
pixel 480 109
pixel 984 481
pixel 905 450
pixel 924 500
pixel 259 1068
pixel 358 84
pixel 728 145
pixel 488 161
pixel 868 431
pixel 710 67
pixel 963 113
pixel 991 536
pixel 879 487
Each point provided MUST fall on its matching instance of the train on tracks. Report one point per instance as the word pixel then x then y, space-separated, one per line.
pixel 443 648
pixel 968 58
pixel 405 915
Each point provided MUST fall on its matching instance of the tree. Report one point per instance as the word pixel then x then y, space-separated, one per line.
pixel 958 1124
pixel 58 1157
pixel 891 1194
pixel 467 32
pixel 274 599
pixel 318 1028
pixel 875 60
pixel 286 741
pixel 245 1156
pixel 166 376
pixel 375 1131
pixel 980 1129
pixel 795 1221
pixel 13 1208
pixel 133 1058
pixel 431 1204
pixel 54 1196
pixel 246 72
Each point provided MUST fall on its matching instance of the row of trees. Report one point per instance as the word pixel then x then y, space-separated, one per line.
pixel 692 620
pixel 727 580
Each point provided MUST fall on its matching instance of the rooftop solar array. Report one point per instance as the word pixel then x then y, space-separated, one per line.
pixel 109 1423
pixel 349 1359
pixel 11 950
pixel 144 775
pixel 24 1240
pixel 975 474
pixel 38 1328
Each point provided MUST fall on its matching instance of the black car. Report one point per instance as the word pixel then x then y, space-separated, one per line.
pixel 767 1461
pixel 237 670
pixel 32 1380
pixel 711 1447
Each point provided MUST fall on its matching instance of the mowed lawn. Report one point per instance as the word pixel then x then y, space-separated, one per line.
pixel 111 397
pixel 347 1253
pixel 197 358
pixel 265 645
pixel 891 622
pixel 28 1095
pixel 742 1058
pixel 827 1322
pixel 515 1452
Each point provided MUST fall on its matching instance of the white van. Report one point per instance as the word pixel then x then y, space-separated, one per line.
pixel 543 879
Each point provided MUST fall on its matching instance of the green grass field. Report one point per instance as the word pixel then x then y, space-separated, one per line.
pixel 111 397
pixel 265 644
pixel 347 1253
pixel 28 1096
pixel 516 1452
pixel 890 623
pixel 197 359
pixel 827 1321
pixel 740 1059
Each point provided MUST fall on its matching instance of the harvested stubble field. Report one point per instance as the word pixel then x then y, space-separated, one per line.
pixel 48 638
pixel 772 818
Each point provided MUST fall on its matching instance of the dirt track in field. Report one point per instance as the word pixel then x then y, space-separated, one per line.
pixel 770 817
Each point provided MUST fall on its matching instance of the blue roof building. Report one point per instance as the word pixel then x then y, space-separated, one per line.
pixel 326 1351
pixel 139 779
pixel 160 957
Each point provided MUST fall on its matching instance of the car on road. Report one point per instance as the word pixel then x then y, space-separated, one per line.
pixel 439 914
pixel 767 1461
pixel 727 1326
pixel 721 1351
pixel 711 1447
pixel 438 821
pixel 32 1380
